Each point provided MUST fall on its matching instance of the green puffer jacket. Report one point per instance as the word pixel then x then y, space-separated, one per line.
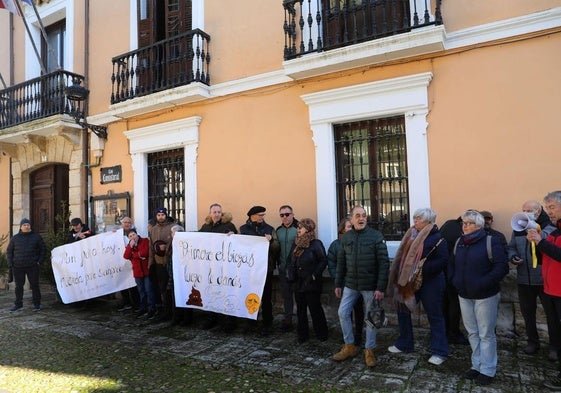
pixel 362 261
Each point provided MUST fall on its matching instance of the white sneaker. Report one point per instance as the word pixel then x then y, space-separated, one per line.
pixel 394 349
pixel 437 360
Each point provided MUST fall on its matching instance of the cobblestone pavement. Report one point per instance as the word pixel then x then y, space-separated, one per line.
pixel 279 355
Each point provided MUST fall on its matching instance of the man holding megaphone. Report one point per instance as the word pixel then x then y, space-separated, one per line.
pixel 522 254
pixel 550 249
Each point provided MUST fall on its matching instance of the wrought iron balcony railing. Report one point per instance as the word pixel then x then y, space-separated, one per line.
pixel 37 98
pixel 321 25
pixel 169 63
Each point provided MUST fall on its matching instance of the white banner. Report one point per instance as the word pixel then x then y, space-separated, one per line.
pixel 220 273
pixel 92 267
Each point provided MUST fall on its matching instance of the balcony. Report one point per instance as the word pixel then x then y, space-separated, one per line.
pixel 324 36
pixel 178 61
pixel 37 99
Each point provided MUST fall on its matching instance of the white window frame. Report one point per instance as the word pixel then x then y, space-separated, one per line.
pixel 407 96
pixel 176 134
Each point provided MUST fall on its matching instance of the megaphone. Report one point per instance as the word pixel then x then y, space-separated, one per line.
pixel 522 222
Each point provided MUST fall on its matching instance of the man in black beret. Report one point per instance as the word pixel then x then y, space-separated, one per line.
pixel 256 226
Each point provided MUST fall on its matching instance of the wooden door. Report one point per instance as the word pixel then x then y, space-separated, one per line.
pixel 179 52
pixel 160 65
pixel 49 189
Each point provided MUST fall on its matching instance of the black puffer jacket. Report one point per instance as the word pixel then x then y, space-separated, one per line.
pixel 362 261
pixel 310 266
pixel 26 249
pixel 262 229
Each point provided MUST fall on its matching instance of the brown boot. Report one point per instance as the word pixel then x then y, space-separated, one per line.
pixel 369 357
pixel 348 351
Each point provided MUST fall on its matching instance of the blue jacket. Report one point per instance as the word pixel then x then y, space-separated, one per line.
pixel 436 262
pixel 471 272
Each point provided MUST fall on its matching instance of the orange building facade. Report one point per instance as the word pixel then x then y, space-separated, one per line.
pixel 320 104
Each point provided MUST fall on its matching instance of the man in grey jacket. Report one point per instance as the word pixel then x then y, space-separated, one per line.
pixel 530 280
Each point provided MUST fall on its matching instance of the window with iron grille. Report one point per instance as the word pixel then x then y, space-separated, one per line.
pixel 166 183
pixel 371 167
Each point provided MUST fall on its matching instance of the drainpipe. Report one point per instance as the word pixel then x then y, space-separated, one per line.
pixel 85 133
pixel 11 207
pixel 11 185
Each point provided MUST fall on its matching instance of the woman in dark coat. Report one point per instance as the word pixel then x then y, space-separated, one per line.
pixel 309 257
pixel 476 273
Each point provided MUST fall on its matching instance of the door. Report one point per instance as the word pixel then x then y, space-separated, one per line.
pixel 49 190
pixel 168 63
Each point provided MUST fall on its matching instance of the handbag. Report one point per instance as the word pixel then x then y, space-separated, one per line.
pixel 376 315
pixel 417 278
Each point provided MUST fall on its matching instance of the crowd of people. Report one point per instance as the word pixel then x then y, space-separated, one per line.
pixel 461 265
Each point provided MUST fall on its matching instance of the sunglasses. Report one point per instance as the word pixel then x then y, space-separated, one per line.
pixel 285 214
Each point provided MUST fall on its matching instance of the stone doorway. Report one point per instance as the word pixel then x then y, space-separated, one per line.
pixel 49 189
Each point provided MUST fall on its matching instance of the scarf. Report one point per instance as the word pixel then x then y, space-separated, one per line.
pixel 303 242
pixel 405 261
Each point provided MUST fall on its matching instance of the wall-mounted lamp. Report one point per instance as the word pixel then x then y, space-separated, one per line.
pixel 77 94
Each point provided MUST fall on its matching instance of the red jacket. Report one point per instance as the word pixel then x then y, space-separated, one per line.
pixel 551 263
pixel 138 255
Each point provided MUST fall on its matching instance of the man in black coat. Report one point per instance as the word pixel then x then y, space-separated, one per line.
pixel 451 230
pixel 25 253
pixel 256 226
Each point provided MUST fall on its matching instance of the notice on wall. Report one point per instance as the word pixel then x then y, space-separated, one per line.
pixel 92 267
pixel 220 273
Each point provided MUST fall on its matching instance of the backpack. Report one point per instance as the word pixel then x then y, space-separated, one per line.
pixel 489 249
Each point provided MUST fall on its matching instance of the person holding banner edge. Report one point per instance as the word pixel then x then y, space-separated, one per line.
pixel 219 222
pixel 79 230
pixel 137 251
pixel 130 298
pixel 529 278
pixel 256 226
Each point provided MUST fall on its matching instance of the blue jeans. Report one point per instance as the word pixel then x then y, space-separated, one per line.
pixel 144 286
pixel 431 295
pixel 348 300
pixel 480 320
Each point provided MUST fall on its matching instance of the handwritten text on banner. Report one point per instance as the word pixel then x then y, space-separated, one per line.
pixel 92 267
pixel 220 273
